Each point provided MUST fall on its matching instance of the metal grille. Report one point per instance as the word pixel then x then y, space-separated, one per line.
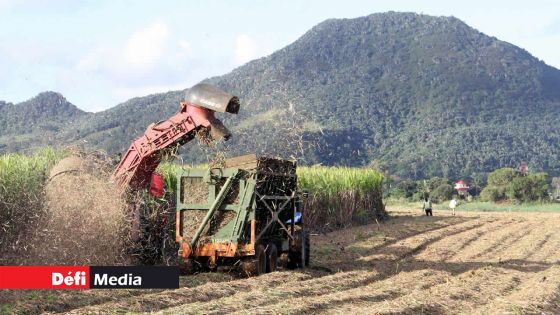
pixel 193 190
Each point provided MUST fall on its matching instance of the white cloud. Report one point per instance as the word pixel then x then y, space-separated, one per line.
pixel 145 62
pixel 146 46
pixel 139 53
pixel 154 59
pixel 245 48
pixel 184 50
pixel 6 5
pixel 94 60
pixel 185 46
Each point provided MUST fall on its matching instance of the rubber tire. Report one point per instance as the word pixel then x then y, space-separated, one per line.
pixel 300 257
pixel 260 260
pixel 256 265
pixel 271 258
pixel 293 259
pixel 284 261
pixel 186 266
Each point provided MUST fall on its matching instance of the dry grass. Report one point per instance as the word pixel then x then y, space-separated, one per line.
pixel 192 219
pixel 87 221
pixel 474 263
pixel 70 213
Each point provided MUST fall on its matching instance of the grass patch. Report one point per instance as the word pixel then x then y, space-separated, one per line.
pixel 481 206
pixel 7 308
pixel 497 207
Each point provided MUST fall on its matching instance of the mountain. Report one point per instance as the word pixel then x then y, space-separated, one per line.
pixel 425 95
pixel 114 129
pixel 36 122
pixel 419 94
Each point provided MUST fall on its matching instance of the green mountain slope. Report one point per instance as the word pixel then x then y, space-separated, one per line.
pixel 423 95
pixel 36 122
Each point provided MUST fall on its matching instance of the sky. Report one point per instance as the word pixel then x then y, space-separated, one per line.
pixel 99 53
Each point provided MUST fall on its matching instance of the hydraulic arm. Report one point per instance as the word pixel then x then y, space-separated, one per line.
pixel 197 112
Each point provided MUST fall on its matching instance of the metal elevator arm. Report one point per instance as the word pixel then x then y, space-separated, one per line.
pixel 144 154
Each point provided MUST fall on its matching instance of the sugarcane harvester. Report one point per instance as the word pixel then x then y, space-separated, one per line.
pixel 246 214
pixel 139 163
pixel 135 172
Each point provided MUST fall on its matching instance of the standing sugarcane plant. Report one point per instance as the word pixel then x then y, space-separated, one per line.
pixel 340 196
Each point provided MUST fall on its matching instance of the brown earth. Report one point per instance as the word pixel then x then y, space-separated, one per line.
pixel 472 263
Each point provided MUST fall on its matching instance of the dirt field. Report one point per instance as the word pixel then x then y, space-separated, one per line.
pixel 473 263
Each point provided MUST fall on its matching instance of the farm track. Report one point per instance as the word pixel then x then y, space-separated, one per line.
pixel 472 263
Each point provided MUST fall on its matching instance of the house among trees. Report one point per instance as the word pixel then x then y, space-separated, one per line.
pixel 462 188
pixel 523 168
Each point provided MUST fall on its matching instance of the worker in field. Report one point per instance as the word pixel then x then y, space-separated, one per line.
pixel 427 206
pixel 453 204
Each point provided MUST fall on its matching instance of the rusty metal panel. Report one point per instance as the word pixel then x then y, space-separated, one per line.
pixel 245 162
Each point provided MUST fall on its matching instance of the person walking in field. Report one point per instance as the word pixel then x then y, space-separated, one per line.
pixel 453 204
pixel 427 206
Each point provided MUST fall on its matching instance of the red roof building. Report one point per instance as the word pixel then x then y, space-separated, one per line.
pixel 462 188
pixel 523 168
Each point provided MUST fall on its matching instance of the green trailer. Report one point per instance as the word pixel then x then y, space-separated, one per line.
pixel 245 215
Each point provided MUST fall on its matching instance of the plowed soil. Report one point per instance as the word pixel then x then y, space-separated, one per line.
pixel 471 263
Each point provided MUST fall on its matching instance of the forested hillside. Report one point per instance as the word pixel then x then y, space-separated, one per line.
pixel 422 95
pixel 36 122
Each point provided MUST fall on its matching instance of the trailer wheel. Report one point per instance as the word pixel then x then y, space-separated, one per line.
pixel 186 266
pixel 256 265
pixel 260 257
pixel 307 248
pixel 284 260
pixel 298 256
pixel 271 258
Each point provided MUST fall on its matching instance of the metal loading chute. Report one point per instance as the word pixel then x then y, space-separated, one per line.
pixel 212 98
pixel 197 112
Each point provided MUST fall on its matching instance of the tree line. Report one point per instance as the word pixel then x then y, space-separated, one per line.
pixel 502 185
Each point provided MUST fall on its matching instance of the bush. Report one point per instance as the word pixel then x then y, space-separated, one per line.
pixel 405 189
pixel 436 182
pixel 442 192
pixel 492 194
pixel 478 182
pixel 529 188
pixel 502 177
pixel 417 196
pixel 499 182
pixel 510 184
pixel 418 190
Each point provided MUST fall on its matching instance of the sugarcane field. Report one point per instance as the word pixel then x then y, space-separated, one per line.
pixel 316 157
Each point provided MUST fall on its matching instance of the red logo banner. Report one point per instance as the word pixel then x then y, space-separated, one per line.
pixel 44 277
